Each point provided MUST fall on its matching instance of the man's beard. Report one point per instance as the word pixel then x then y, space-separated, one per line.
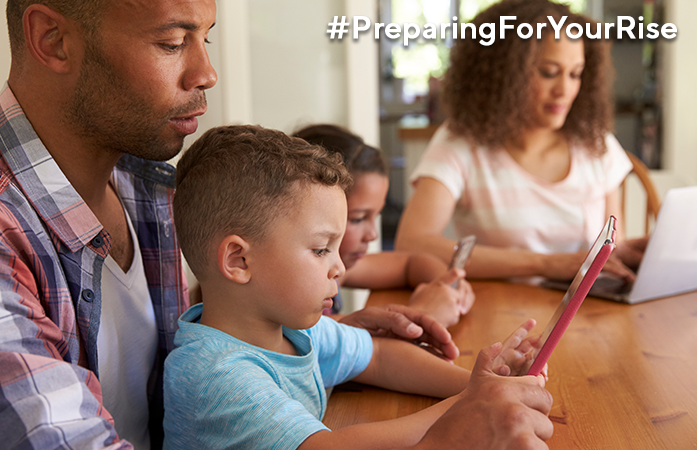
pixel 110 114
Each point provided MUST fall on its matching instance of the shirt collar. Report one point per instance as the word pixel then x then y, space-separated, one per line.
pixel 36 173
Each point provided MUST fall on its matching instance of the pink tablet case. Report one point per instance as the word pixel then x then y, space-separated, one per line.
pixel 572 307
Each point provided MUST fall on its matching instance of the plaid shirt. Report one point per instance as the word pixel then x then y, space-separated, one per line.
pixel 52 248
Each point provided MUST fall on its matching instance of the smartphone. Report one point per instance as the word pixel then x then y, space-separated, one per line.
pixel 581 284
pixel 462 252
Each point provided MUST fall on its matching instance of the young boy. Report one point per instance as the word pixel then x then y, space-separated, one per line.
pixel 260 217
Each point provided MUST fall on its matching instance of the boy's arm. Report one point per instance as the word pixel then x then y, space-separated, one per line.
pixel 404 367
pixel 493 412
pixel 398 433
pixel 388 270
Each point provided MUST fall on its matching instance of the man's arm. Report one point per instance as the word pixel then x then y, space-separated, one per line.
pixel 45 402
pixel 405 323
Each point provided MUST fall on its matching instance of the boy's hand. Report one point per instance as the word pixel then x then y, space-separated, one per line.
pixel 443 301
pixel 404 322
pixel 494 412
pixel 516 352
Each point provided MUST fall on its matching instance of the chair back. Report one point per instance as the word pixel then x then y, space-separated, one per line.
pixel 653 204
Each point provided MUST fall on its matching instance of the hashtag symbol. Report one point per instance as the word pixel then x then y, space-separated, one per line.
pixel 337 27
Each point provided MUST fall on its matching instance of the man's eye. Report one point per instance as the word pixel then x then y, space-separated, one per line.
pixel 172 47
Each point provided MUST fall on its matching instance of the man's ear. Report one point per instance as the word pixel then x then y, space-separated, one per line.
pixel 232 252
pixel 48 35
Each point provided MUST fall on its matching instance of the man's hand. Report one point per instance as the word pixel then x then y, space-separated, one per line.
pixel 404 322
pixel 494 412
pixel 441 300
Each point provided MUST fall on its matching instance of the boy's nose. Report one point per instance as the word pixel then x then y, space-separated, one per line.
pixel 338 269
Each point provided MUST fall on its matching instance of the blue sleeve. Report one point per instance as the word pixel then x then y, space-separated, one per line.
pixel 230 403
pixel 342 351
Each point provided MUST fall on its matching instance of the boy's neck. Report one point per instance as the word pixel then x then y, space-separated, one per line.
pixel 231 317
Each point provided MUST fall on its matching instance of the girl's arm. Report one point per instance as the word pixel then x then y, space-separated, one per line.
pixel 389 270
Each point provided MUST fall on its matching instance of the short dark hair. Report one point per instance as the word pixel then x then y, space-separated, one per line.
pixel 237 179
pixel 358 156
pixel 87 13
pixel 486 88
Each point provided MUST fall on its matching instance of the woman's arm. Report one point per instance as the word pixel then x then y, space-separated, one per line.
pixel 428 213
pixel 388 270
pixel 628 251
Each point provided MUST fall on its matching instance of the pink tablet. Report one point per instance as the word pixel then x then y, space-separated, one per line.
pixel 584 279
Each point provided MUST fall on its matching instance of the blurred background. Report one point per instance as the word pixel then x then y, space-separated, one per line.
pixel 278 68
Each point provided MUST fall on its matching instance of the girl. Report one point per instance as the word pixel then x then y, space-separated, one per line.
pixel 385 270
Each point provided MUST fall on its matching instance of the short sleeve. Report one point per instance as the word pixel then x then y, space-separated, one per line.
pixel 235 403
pixel 616 164
pixel 343 352
pixel 445 161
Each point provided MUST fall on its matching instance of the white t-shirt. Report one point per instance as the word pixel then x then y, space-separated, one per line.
pixel 126 346
pixel 506 206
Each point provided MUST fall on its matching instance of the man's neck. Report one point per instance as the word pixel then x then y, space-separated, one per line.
pixel 87 166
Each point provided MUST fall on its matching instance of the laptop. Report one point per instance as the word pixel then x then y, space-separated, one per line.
pixel 669 265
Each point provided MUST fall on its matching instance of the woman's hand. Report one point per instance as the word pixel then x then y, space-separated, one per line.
pixel 563 266
pixel 631 251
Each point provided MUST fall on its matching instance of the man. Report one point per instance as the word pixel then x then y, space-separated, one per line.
pixel 91 280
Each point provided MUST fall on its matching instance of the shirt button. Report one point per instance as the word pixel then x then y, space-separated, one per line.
pixel 97 241
pixel 88 295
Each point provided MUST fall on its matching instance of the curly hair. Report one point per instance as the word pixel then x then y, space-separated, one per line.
pixel 237 179
pixel 487 90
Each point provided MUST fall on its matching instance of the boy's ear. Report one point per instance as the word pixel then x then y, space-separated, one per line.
pixel 48 35
pixel 232 252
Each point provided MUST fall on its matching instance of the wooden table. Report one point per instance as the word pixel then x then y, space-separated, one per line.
pixel 622 377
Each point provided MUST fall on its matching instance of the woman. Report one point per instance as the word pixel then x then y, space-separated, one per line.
pixel 525 160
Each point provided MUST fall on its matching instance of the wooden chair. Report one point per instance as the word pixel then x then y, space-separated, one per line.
pixel 653 204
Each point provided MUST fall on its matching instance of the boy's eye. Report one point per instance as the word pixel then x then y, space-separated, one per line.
pixel 321 251
pixel 357 220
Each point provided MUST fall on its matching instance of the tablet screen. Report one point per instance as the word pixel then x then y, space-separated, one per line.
pixel 581 284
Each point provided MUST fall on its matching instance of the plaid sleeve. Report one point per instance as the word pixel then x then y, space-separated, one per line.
pixel 45 402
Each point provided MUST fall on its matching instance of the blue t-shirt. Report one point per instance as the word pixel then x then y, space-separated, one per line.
pixel 221 392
